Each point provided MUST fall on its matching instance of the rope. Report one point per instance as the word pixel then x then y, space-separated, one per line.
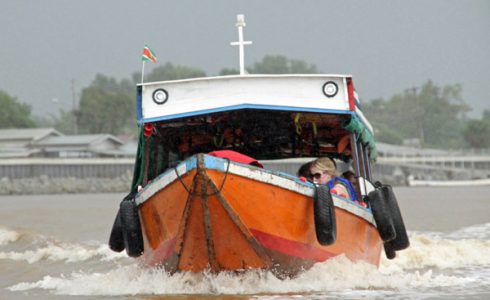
pixel 212 194
pixel 181 181
pixel 216 144
pixel 297 123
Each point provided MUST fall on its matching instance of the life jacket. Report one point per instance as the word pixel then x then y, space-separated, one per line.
pixel 236 156
pixel 346 183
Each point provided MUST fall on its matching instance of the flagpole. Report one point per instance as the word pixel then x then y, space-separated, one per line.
pixel 143 71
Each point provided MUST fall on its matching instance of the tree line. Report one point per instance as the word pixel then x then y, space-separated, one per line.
pixel 433 116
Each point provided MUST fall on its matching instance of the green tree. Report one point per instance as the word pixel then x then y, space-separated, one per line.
pixel 431 114
pixel 170 72
pixel 106 106
pixel 278 64
pixel 477 132
pixel 227 71
pixel 67 122
pixel 14 114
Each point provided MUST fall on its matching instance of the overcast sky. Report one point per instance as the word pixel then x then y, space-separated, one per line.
pixel 388 46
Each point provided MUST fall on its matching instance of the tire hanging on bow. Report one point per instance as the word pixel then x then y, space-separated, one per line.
pixel 133 238
pixel 116 239
pixel 324 215
pixel 389 221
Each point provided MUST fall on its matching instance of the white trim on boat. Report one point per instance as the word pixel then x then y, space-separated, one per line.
pixel 160 182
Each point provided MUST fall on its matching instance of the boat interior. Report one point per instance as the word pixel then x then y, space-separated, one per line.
pixel 264 135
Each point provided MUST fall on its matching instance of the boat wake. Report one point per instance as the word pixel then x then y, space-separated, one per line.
pixel 47 249
pixel 454 262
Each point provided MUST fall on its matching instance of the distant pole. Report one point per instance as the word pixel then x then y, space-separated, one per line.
pixel 419 116
pixel 241 43
pixel 74 99
pixel 142 71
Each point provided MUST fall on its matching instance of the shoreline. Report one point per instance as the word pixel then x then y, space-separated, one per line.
pixel 65 185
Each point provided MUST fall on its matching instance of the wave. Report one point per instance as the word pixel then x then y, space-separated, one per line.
pixel 481 232
pixel 427 250
pixel 69 253
pixel 336 275
pixel 51 250
pixel 8 236
pixel 456 262
pixel 437 250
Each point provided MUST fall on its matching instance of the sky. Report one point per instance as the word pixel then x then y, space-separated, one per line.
pixel 52 48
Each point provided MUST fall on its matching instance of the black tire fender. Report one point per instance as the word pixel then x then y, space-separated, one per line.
pixel 324 213
pixel 133 238
pixel 382 215
pixel 401 240
pixel 389 251
pixel 116 239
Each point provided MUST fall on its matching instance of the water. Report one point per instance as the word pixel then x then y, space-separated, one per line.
pixel 54 247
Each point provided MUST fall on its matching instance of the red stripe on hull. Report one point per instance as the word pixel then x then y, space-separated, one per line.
pixel 161 254
pixel 291 248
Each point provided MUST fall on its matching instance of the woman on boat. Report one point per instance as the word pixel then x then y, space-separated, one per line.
pixel 304 173
pixel 324 171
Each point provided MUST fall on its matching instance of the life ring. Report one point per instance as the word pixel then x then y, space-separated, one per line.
pixel 130 222
pixel 401 240
pixel 324 213
pixel 116 239
pixel 382 215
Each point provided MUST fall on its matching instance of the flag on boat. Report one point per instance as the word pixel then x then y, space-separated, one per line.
pixel 148 55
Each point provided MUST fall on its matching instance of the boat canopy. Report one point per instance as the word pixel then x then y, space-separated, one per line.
pixel 263 116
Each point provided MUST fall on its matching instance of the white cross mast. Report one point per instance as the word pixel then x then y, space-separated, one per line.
pixel 240 23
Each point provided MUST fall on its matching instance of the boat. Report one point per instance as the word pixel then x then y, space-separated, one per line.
pixel 203 199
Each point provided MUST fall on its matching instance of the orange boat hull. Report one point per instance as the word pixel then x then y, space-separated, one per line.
pixel 240 217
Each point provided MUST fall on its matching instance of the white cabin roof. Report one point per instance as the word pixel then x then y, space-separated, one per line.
pixel 201 96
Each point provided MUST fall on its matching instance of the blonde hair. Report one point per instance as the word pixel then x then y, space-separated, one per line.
pixel 325 164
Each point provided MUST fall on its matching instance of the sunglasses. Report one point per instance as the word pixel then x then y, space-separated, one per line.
pixel 317 175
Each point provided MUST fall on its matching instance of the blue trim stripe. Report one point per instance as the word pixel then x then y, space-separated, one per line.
pixel 244 106
pixel 191 163
pixel 212 162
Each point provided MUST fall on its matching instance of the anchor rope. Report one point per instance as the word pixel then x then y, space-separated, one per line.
pixel 207 195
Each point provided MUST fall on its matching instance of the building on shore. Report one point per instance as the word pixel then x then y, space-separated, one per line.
pixel 50 143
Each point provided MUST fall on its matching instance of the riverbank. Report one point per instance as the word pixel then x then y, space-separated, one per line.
pixel 65 185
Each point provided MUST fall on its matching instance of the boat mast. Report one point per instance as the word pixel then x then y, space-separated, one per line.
pixel 241 43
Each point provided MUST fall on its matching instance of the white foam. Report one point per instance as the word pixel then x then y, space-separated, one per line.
pixel 8 236
pixel 433 250
pixel 63 252
pixel 481 232
pixel 422 267
pixel 336 275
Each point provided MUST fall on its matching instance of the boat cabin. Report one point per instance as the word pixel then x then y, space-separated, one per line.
pixel 263 116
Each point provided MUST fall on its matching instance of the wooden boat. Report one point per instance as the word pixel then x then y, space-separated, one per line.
pixel 190 211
